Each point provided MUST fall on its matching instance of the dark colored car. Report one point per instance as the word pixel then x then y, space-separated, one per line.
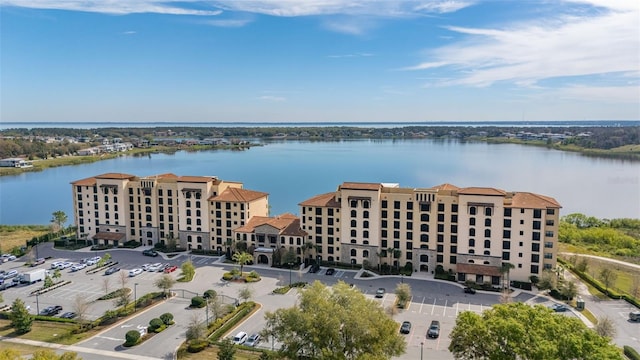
pixel 331 271
pixel 469 290
pixel 314 268
pixel 405 328
pixel 51 310
pixel 434 329
pixel 559 307
pixel 380 292
pixel 68 315
pixel 112 270
pixel 150 252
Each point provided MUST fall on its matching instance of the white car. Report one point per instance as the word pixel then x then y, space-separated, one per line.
pixel 77 267
pixel 91 262
pixel 55 264
pixel 155 267
pixel 134 272
pixel 240 338
pixel 145 267
pixel 65 265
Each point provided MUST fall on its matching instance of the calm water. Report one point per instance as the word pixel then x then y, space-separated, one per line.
pixel 296 170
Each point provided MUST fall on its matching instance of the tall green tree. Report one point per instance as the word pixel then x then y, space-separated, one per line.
pixel 188 270
pixel 335 323
pixel 242 258
pixel 608 277
pixel 403 292
pixel 226 350
pixel 164 283
pixel 20 318
pixel 59 218
pixel 520 331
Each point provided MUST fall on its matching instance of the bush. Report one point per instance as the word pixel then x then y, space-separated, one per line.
pixel 225 324
pixel 197 345
pixel 131 337
pixel 159 329
pixel 227 276
pixel 631 353
pixel 198 302
pixel 155 323
pixel 210 294
pixel 131 244
pixel 167 318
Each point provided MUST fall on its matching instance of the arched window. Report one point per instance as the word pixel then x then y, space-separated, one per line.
pixel 472 210
pixel 149 234
pixel 353 241
pixel 354 223
pixel 487 211
pixel 487 244
pixel 424 217
pixel 188 212
pixel 424 237
pixel 365 224
pixel 472 221
pixel 365 214
pixel 471 251
pixel 188 203
pixel 197 212
pixel 366 242
pixel 424 227
pixel 487 222
pixel 471 261
pixel 197 204
pixel 189 238
pixel 199 239
pixel 354 252
pixel 365 204
pixel 353 233
pixel 148 217
pixel 188 195
pixel 353 213
pixel 472 232
pixel 487 263
pixel 365 234
pixel 487 233
pixel 115 216
pixel 487 252
pixel 147 201
pixel 147 209
pixel 365 253
pixel 188 221
pixel 472 242
pixel 198 222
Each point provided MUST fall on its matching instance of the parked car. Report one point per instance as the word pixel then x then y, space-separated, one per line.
pixel 112 270
pixel 150 252
pixel 314 268
pixel 134 272
pixel 559 307
pixel 170 269
pixel 77 267
pixel 10 274
pixel 68 315
pixel 469 290
pixel 330 271
pixel 253 340
pixel 39 261
pixel 144 267
pixel 634 316
pixel 405 328
pixel 380 292
pixel 434 329
pixel 51 310
pixel 240 338
pixel 55 264
pixel 155 267
pixel 65 265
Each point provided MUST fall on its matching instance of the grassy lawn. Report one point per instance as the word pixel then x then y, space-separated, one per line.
pixel 17 235
pixel 48 331
pixel 22 349
pixel 212 353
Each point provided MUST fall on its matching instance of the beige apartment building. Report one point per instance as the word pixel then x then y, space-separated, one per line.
pixel 468 231
pixel 198 212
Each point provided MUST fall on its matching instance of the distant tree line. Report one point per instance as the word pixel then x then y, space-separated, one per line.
pixel 599 137
pixel 619 237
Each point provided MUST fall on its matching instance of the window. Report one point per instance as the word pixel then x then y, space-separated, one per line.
pixel 396 205
pixel 425 207
pixel 383 224
pixel 440 227
pixel 424 238
pixel 507 223
pixel 354 223
pixel 505 255
pixel 487 244
pixel 472 232
pixel 548 255
pixel 472 242
pixel 548 234
pixel 472 221
pixel 384 204
pixel 353 203
pixel 536 225
pixel 440 207
pixel 424 227
pixel 424 217
pixel 454 229
pixel 551 211
pixel 535 236
pixel 487 233
pixel 535 258
pixel 353 213
pixel 440 248
pixel 365 234
pixel 354 252
pixel 440 217
pixel 365 214
pixel 454 218
pixel 454 208
pixel 487 222
pixel 506 234
pixel 472 210
pixel 507 212
pixel 353 233
pixel 548 245
pixel 506 245
pixel 396 214
pixel 549 223
pixel 535 247
pixel 487 211
pixel 365 253
pixel 365 224
pixel 537 213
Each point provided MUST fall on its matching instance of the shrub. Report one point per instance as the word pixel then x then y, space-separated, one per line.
pixel 160 328
pixel 227 276
pixel 109 317
pixel 631 353
pixel 154 324
pixel 167 318
pixel 131 337
pixel 198 302
pixel 210 294
pixel 197 345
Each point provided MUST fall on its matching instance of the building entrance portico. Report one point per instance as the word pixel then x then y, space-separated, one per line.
pixel 263 255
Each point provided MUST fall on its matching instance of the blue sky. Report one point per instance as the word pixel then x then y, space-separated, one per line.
pixel 318 60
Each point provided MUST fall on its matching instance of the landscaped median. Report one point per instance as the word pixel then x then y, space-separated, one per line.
pixel 285 289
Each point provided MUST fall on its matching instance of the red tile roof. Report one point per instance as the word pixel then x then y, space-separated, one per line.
pixel 481 191
pixel 238 195
pixel 323 200
pixel 197 179
pixel 85 182
pixel 445 186
pixel 527 200
pixel 115 176
pixel 478 269
pixel 288 224
pixel 109 236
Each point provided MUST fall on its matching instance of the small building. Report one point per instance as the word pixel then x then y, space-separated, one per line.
pixel 16 163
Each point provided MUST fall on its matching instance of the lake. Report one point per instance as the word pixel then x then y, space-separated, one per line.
pixel 293 171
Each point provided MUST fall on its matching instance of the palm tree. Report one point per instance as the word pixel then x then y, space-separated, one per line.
pixel 306 247
pixel 396 255
pixel 242 258
pixel 505 269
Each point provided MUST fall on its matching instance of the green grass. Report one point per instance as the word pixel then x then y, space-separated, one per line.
pixel 589 316
pixel 46 331
pixel 12 236
pixel 22 349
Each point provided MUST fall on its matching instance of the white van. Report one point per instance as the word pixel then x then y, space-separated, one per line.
pixel 240 338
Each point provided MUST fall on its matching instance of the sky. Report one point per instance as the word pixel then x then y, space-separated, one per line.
pixel 319 60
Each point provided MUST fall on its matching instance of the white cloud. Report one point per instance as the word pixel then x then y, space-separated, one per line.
pixel 130 32
pixel 118 7
pixel 605 42
pixel 272 98
pixel 443 6
pixel 614 94
pixel 229 22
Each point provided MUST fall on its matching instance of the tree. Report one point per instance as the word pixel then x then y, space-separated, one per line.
pixel 103 260
pixel 123 279
pixel 289 257
pixel 164 283
pixel 20 318
pixel 520 331
pixel 188 270
pixel 506 269
pixel 242 258
pixel 226 350
pixel 605 327
pixel 48 282
pixel 308 246
pixel 569 289
pixel 47 354
pixel 547 280
pixel 403 292
pixel 56 274
pixel 216 306
pixel 195 329
pixel 337 320
pixel 608 277
pixel 59 219
pixel 245 293
pixel 80 306
pixel 635 287
pixel 106 284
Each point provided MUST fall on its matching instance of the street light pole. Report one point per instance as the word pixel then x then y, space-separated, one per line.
pixel 135 296
pixel 421 347
pixel 37 305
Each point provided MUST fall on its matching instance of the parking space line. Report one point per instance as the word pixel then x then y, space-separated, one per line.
pixel 421 305
pixel 434 306
pixel 444 308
